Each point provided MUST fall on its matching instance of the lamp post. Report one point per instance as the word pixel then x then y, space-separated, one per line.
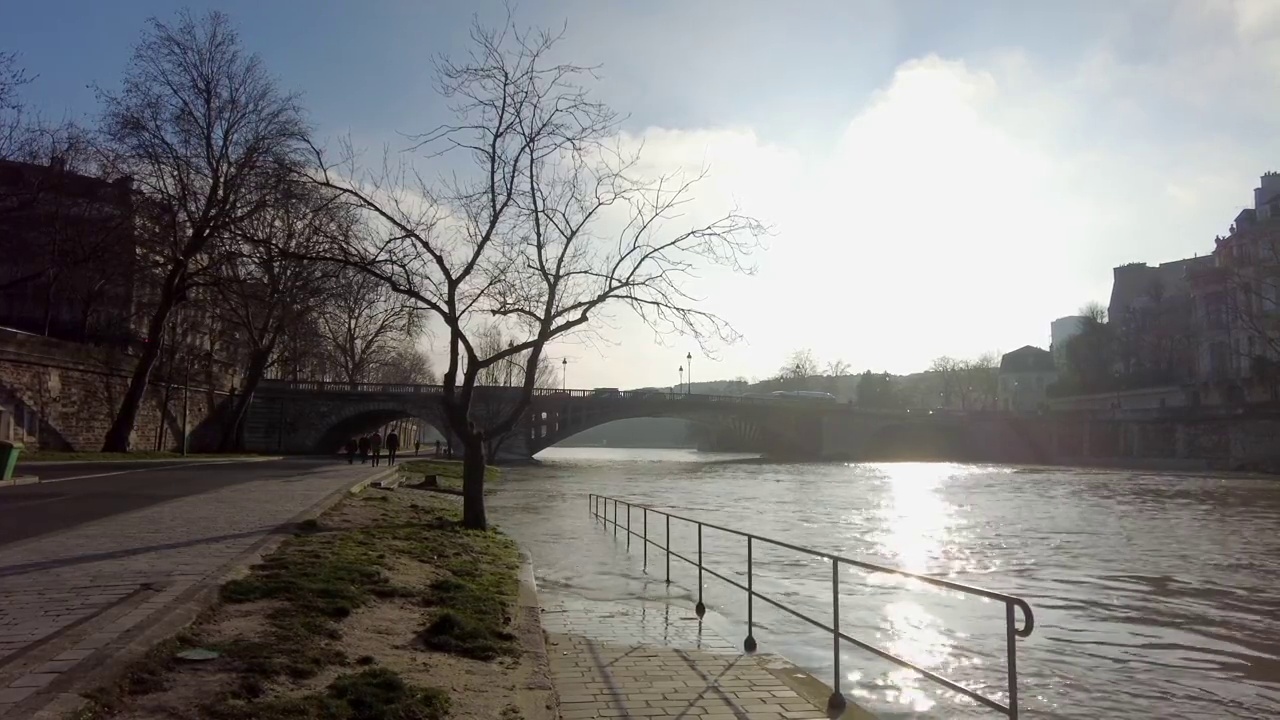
pixel 510 362
pixel 688 360
pixel 681 386
pixel 564 374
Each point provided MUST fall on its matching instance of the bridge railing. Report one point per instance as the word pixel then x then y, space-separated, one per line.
pixel 600 505
pixel 345 387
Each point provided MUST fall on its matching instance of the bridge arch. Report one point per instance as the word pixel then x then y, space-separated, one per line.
pixel 365 422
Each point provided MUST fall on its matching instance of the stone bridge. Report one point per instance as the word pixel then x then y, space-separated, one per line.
pixel 317 417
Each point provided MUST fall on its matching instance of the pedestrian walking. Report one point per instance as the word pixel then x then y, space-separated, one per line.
pixel 417 444
pixel 437 448
pixel 364 449
pixel 351 448
pixel 375 447
pixel 393 444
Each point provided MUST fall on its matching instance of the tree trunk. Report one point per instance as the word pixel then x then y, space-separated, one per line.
pixel 117 439
pixel 231 431
pixel 473 515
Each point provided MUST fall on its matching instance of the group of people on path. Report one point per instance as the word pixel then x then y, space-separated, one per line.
pixel 368 445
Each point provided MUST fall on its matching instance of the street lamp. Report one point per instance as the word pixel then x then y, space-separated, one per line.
pixel 681 385
pixel 510 362
pixel 688 360
pixel 564 374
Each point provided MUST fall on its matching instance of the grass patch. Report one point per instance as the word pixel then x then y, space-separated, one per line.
pixel 71 456
pixel 315 580
pixel 446 469
pixel 372 694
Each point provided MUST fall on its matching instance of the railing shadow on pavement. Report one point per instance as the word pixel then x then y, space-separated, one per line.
pixel 600 505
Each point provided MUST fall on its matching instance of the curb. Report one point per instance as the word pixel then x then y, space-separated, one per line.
pixel 130 647
pixel 547 703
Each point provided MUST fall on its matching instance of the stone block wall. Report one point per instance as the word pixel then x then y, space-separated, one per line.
pixel 56 395
pixel 1243 441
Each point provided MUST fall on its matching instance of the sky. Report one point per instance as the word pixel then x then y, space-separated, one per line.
pixel 940 178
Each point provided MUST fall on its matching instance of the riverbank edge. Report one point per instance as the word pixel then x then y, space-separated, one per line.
pixel 535 643
pixel 809 687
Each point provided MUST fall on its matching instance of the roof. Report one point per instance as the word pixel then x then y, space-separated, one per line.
pixel 15 174
pixel 1027 358
pixel 1136 283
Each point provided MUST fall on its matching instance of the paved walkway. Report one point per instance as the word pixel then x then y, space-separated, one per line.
pixel 68 598
pixel 615 660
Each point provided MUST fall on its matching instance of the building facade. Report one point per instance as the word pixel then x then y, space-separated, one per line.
pixel 70 252
pixel 1025 376
pixel 1060 332
pixel 1152 318
pixel 1237 305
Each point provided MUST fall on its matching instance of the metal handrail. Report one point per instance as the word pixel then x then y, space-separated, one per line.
pixel 600 510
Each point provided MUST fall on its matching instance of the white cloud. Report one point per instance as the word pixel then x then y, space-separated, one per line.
pixel 971 201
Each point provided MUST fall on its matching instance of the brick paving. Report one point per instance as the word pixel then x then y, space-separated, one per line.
pixel 67 596
pixel 642 659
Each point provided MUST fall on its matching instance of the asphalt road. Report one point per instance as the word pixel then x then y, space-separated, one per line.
pixel 97 490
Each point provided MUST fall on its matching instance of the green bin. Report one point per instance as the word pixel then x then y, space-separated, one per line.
pixel 8 459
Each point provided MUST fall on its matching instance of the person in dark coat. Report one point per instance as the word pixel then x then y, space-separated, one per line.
pixel 375 447
pixel 393 444
pixel 364 449
pixel 351 448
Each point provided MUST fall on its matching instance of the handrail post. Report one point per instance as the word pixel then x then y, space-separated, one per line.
pixel 836 702
pixel 1012 649
pixel 750 643
pixel 700 608
pixel 628 526
pixel 645 530
pixel 668 549
pixel 615 517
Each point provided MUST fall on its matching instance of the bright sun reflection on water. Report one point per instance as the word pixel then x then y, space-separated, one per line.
pixel 921 533
pixel 918 524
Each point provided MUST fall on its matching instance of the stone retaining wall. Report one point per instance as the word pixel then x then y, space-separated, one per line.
pixel 56 395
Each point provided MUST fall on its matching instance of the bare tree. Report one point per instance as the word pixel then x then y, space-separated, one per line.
pixel 555 223
pixel 981 382
pixel 302 353
pixel 13 109
pixel 498 385
pixel 264 289
pixel 798 368
pixel 950 375
pixel 838 368
pixel 406 364
pixel 204 132
pixel 363 323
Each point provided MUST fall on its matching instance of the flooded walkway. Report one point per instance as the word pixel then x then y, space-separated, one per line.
pixel 610 659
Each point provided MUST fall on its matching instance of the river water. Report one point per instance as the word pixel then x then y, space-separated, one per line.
pixel 1155 595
